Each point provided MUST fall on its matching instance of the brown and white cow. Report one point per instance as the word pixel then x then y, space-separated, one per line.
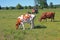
pixel 47 15
pixel 26 18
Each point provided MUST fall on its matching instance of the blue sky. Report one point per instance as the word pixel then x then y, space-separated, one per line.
pixel 4 3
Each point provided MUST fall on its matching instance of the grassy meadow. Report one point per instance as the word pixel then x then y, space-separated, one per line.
pixel 42 31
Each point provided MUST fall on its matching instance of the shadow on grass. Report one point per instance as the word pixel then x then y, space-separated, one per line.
pixel 36 27
pixel 56 21
pixel 39 27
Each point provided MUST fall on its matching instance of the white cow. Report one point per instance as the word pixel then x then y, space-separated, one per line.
pixel 27 18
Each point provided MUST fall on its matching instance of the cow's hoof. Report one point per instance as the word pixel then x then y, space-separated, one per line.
pixel 24 29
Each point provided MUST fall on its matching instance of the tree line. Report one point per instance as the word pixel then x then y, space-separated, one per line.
pixel 40 5
pixel 18 6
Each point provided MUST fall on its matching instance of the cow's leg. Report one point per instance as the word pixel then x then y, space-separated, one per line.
pixel 53 16
pixel 20 26
pixel 52 19
pixel 23 25
pixel 32 24
pixel 46 19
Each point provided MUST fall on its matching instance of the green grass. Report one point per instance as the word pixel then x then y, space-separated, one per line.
pixel 8 32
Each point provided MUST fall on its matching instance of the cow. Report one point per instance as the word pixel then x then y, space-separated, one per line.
pixel 25 18
pixel 47 15
pixel 34 10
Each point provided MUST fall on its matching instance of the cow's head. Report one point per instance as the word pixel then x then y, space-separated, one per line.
pixel 18 23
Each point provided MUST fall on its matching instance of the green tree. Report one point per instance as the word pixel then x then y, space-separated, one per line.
pixel 11 7
pixel 51 5
pixel 42 3
pixel 29 7
pixel 25 7
pixel 6 8
pixel 0 7
pixel 19 6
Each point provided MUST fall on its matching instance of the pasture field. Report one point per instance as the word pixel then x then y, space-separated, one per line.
pixel 42 31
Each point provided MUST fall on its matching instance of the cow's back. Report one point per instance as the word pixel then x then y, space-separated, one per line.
pixel 50 14
pixel 43 16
